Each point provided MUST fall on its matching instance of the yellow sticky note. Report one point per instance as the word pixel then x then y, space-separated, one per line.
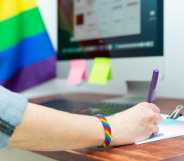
pixel 101 72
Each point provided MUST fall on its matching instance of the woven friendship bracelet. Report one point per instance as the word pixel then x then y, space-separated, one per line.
pixel 107 130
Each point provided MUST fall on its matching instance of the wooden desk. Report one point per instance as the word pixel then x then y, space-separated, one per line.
pixel 165 150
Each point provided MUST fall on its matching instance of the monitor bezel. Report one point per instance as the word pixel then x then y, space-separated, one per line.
pixel 133 53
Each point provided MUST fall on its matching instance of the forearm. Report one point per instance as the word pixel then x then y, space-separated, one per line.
pixel 39 128
pixel 46 129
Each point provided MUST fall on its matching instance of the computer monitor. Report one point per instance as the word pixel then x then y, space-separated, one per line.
pixel 130 31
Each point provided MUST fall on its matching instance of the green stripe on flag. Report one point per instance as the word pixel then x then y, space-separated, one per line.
pixel 24 25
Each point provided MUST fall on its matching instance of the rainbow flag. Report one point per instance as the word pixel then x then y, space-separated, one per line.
pixel 27 57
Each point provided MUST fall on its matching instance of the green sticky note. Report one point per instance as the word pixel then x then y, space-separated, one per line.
pixel 101 72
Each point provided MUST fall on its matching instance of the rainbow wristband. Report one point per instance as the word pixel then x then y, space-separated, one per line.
pixel 107 130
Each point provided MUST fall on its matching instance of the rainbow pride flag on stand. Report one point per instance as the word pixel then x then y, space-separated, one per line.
pixel 27 57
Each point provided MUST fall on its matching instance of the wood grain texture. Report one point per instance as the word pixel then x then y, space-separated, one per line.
pixel 165 150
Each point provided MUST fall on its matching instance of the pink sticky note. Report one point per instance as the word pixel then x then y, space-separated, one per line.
pixel 78 72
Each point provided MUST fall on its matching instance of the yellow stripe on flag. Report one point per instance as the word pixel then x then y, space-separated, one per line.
pixel 10 8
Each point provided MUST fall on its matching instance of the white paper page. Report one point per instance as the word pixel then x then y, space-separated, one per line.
pixel 168 129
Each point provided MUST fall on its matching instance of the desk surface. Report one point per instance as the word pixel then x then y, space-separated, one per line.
pixel 165 150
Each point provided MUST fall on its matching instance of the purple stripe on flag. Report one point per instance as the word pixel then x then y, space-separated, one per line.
pixel 32 75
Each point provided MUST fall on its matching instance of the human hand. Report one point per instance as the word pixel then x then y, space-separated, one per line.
pixel 135 124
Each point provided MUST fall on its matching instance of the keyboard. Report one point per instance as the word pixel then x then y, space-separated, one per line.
pixel 88 108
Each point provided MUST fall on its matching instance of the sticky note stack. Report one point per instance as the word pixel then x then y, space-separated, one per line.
pixel 101 72
pixel 78 72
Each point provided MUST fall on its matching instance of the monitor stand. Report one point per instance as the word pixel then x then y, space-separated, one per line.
pixel 136 92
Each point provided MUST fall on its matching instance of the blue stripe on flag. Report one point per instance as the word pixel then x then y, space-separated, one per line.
pixel 29 51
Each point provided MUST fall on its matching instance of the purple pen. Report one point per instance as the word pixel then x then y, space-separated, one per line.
pixel 152 86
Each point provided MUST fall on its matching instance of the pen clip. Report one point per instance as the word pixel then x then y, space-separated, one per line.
pixel 176 113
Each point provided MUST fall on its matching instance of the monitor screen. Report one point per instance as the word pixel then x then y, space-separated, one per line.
pixel 110 28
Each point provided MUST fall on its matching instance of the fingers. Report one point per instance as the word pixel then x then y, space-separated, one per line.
pixel 153 112
pixel 154 108
pixel 152 129
pixel 158 119
pixel 151 106
pixel 155 129
pixel 155 119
